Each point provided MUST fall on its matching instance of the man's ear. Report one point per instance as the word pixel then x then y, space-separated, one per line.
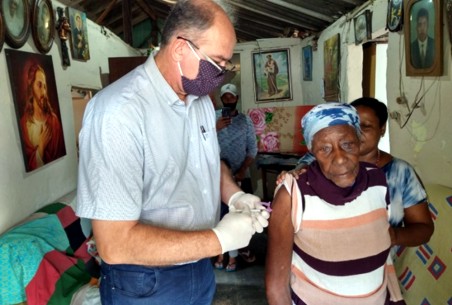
pixel 178 49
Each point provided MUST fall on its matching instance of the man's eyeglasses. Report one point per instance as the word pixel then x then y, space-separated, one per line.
pixel 229 67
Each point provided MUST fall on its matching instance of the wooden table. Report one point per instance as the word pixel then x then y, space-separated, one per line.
pixel 274 163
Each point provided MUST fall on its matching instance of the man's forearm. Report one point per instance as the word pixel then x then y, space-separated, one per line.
pixel 126 242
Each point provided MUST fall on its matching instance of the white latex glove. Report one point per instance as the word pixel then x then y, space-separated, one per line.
pixel 241 201
pixel 234 231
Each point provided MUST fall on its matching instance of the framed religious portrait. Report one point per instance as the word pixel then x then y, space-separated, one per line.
pixel 34 91
pixel 363 27
pixel 307 63
pixel 79 34
pixel 331 60
pixel 423 38
pixel 271 71
pixel 43 25
pixel 394 17
pixel 16 20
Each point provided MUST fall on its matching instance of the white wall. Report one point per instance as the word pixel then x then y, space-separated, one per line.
pixel 22 193
pixel 246 69
pixel 426 140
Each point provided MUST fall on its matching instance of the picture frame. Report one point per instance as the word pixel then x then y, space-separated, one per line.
pixel 307 63
pixel 448 5
pixel 272 77
pixel 79 34
pixel 34 70
pixel 2 33
pixel 16 20
pixel 423 38
pixel 394 18
pixel 332 60
pixel 363 27
pixel 43 25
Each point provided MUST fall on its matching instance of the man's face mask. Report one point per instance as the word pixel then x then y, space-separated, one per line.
pixel 209 77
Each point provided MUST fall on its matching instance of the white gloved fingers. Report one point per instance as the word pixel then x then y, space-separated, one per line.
pixel 259 222
pixel 240 200
pixel 265 214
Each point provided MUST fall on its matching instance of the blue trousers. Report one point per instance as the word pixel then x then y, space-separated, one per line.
pixel 190 284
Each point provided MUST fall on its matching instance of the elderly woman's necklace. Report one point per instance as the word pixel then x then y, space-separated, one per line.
pixel 378 157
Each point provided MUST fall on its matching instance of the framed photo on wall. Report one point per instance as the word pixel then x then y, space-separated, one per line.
pixel 307 63
pixel 38 115
pixel 449 18
pixel 331 60
pixel 394 18
pixel 423 38
pixel 271 71
pixel 363 27
pixel 79 34
pixel 2 33
pixel 16 21
pixel 43 25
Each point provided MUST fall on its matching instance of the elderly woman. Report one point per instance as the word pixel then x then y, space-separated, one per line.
pixel 328 234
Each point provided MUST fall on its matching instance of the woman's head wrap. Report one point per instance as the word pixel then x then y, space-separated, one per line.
pixel 326 115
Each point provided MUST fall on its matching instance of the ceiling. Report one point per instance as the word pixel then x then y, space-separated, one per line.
pixel 254 19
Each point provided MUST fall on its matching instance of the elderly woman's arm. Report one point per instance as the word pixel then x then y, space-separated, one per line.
pixel 279 252
pixel 418 227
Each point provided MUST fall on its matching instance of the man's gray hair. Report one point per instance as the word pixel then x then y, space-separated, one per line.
pixel 189 18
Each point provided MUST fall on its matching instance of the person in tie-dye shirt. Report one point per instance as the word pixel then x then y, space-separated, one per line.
pixel 411 223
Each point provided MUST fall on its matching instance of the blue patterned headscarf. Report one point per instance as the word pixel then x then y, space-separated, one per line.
pixel 326 115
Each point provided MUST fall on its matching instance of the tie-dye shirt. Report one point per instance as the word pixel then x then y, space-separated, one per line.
pixel 405 188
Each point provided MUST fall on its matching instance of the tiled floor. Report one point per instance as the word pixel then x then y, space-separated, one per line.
pixel 246 285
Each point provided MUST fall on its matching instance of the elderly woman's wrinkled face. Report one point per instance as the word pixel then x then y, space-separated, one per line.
pixel 336 148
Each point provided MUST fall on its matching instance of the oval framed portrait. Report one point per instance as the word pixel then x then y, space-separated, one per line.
pixel 2 32
pixel 16 20
pixel 43 25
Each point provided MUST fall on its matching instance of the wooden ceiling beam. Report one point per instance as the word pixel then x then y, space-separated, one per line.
pixel 147 9
pixel 106 12
pixel 127 21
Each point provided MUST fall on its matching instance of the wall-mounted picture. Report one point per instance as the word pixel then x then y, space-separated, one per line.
pixel 272 80
pixel 37 108
pixel 394 18
pixel 16 21
pixel 423 38
pixel 2 33
pixel 43 25
pixel 307 63
pixel 449 18
pixel 331 59
pixel 79 34
pixel 363 27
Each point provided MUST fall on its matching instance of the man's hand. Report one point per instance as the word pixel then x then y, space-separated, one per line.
pixel 242 202
pixel 223 122
pixel 234 231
